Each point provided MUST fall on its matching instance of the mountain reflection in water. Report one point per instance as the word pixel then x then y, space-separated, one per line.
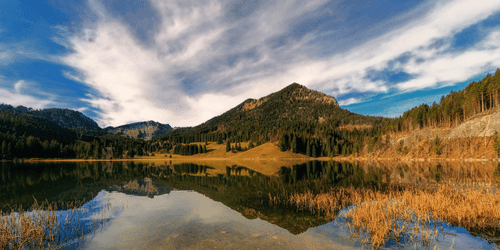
pixel 230 205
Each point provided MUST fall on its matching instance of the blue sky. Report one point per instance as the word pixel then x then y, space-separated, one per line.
pixel 183 62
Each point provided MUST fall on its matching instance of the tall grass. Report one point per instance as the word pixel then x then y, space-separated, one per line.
pixel 40 227
pixel 404 211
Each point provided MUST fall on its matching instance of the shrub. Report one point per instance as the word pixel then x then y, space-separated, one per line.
pixel 436 146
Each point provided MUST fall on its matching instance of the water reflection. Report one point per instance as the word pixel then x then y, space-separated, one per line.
pixel 235 190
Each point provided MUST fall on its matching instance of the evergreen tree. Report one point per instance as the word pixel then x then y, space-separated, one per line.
pixel 294 145
pixel 436 146
pixel 496 143
pixel 282 143
pixel 228 146
pixel 4 150
pixel 131 153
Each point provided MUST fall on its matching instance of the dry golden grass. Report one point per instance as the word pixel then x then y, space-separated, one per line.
pixel 268 151
pixel 35 229
pixel 216 151
pixel 405 210
pixel 266 158
pixel 39 227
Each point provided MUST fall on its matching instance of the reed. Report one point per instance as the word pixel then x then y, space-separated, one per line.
pixel 40 227
pixel 404 211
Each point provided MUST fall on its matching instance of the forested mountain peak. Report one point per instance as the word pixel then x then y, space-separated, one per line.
pixel 293 111
pixel 292 93
pixel 293 103
pixel 298 92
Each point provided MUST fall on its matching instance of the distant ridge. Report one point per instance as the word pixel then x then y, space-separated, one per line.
pixel 140 130
pixel 66 118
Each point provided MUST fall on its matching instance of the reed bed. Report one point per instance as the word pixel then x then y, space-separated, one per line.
pixel 404 211
pixel 41 228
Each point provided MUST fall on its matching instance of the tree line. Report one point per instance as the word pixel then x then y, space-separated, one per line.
pixel 453 108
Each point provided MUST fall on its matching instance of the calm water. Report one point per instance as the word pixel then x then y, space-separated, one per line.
pixel 131 205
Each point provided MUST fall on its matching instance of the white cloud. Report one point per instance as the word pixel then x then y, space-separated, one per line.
pixel 138 83
pixel 18 86
pixel 135 82
pixel 72 77
pixel 16 99
pixel 345 73
pixel 349 101
pixel 82 109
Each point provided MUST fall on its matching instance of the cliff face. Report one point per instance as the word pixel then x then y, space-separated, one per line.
pixel 483 126
pixel 471 139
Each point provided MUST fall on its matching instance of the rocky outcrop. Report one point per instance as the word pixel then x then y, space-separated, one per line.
pixel 483 126
pixel 140 130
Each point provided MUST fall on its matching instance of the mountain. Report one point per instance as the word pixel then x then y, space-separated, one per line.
pixel 294 111
pixel 140 130
pixel 25 125
pixel 295 102
pixel 66 118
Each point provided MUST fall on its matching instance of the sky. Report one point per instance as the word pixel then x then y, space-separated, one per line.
pixel 184 62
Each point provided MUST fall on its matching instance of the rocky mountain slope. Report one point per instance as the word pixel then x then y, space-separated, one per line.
pixel 140 130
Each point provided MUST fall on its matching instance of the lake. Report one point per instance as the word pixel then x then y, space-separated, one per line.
pixel 206 205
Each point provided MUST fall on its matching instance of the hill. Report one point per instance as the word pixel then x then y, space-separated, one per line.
pixel 28 135
pixel 66 118
pixel 312 121
pixel 140 130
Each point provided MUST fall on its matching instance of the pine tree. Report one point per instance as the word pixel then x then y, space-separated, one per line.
pixel 294 145
pixel 436 146
pixel 131 153
pixel 228 146
pixel 496 143
pixel 314 150
pixel 3 152
pixel 282 143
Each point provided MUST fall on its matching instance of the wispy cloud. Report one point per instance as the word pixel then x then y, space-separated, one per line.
pixel 17 96
pixel 206 57
pixel 349 101
pixel 427 64
pixel 18 85
pixel 140 83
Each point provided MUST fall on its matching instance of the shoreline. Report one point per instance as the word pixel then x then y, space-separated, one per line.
pixel 337 158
